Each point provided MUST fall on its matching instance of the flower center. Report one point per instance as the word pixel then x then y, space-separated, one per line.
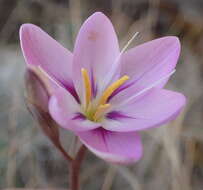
pixel 95 111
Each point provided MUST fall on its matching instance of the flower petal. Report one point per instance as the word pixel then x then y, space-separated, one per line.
pixel 65 110
pixel 96 48
pixel 148 63
pixel 155 108
pixel 121 148
pixel 40 49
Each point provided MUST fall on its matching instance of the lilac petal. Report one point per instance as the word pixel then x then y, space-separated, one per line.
pixel 157 107
pixel 65 110
pixel 39 49
pixel 79 116
pixel 55 84
pixel 117 115
pixel 115 147
pixel 146 64
pixel 95 49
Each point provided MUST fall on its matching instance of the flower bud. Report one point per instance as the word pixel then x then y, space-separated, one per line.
pixel 37 98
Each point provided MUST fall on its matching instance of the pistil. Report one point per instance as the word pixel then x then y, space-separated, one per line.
pixel 95 112
pixel 100 111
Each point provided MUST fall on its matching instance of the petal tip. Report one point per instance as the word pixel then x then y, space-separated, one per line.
pixel 99 16
pixel 25 35
pixel 24 32
pixel 174 40
pixel 98 13
pixel 183 100
pixel 24 28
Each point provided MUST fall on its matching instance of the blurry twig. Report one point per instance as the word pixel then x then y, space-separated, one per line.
pixel 12 149
pixel 108 180
pixel 172 148
pixel 129 176
pixel 152 14
pixel 75 15
pixel 91 171
pixel 8 27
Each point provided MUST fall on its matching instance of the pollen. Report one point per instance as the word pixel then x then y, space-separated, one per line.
pixel 87 86
pixel 107 93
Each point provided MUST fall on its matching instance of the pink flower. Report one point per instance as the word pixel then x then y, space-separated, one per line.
pixel 106 97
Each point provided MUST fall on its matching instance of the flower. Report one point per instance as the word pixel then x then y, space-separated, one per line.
pixel 101 94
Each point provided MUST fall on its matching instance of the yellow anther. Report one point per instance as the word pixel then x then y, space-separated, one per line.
pixel 100 111
pixel 87 86
pixel 107 93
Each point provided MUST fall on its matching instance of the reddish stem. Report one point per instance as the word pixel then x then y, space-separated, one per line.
pixel 65 154
pixel 75 169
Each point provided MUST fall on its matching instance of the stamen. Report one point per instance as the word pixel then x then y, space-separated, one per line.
pixel 112 88
pixel 100 111
pixel 87 86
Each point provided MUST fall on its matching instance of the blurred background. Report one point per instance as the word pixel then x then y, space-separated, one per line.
pixel 173 154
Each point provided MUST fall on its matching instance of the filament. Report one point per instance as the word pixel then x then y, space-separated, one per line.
pixel 87 86
pixel 112 88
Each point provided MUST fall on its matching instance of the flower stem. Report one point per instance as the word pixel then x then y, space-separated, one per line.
pixel 75 169
pixel 65 154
